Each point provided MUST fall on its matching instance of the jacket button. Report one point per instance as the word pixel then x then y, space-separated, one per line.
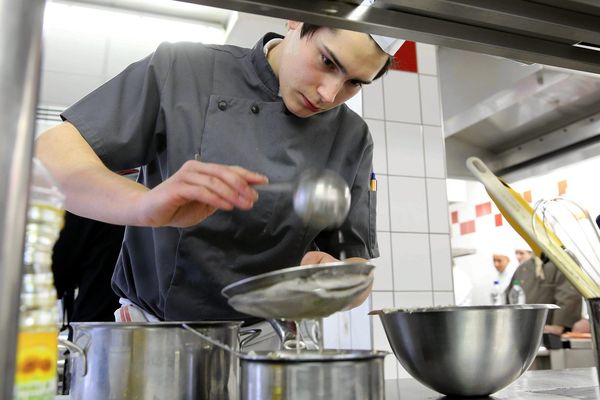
pixel 222 105
pixel 255 109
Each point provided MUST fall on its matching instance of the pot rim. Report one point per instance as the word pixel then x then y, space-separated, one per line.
pixel 312 356
pixel 157 324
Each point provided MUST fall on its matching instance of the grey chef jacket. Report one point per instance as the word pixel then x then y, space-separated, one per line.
pixel 221 102
pixel 553 289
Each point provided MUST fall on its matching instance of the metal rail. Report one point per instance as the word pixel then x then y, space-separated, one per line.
pixel 20 56
pixel 522 30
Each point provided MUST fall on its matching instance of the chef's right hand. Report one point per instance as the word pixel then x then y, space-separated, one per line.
pixel 196 191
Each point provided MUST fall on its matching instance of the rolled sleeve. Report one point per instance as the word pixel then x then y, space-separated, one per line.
pixel 121 119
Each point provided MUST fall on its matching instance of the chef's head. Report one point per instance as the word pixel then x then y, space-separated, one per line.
pixel 320 68
pixel 522 251
pixel 501 260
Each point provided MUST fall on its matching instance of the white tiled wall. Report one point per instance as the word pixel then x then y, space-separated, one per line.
pixel 414 270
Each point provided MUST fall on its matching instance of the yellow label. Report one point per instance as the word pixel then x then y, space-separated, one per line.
pixel 35 371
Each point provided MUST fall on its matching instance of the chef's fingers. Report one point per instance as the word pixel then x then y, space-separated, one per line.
pixel 200 195
pixel 232 171
pixel 214 192
pixel 220 182
pixel 251 177
pixel 317 257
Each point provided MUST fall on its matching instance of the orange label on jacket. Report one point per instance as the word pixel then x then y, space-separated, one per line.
pixel 35 372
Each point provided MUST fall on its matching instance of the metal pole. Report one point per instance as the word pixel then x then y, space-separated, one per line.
pixel 20 56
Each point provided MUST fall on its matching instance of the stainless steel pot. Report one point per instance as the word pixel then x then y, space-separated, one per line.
pixel 311 375
pixel 147 361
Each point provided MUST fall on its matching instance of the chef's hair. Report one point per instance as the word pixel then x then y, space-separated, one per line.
pixel 309 29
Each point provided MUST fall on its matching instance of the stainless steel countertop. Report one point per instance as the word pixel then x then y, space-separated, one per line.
pixel 577 383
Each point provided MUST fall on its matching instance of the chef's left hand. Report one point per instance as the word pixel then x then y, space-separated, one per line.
pixel 319 257
pixel 554 329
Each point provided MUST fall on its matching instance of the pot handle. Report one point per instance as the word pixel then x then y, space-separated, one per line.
pixel 73 348
pixel 210 340
pixel 248 336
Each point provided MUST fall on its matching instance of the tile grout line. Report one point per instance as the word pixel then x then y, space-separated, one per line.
pixel 426 187
pixel 387 161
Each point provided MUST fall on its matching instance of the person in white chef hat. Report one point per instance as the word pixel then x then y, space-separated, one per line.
pixel 206 124
pixel 504 261
pixel 523 251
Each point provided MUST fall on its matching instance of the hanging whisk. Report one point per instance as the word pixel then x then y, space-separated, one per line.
pixel 565 223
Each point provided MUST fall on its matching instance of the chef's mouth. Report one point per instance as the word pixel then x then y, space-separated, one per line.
pixel 310 105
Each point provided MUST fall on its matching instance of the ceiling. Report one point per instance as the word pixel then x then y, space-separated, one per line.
pixel 177 9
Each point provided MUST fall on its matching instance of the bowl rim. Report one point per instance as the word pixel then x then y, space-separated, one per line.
pixel 451 308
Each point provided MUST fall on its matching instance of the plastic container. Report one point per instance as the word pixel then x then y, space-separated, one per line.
pixel 37 351
pixel 497 295
pixel 516 295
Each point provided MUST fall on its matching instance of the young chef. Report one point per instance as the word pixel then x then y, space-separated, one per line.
pixel 195 226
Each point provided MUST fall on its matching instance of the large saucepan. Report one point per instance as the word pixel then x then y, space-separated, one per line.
pixel 147 361
pixel 311 375
pixel 308 375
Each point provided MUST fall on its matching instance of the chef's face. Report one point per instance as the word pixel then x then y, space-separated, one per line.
pixel 500 262
pixel 522 255
pixel 320 71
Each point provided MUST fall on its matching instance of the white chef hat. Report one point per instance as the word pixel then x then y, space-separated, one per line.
pixel 388 44
pixel 520 244
pixel 503 249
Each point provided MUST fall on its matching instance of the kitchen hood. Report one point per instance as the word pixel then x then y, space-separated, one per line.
pixel 510 113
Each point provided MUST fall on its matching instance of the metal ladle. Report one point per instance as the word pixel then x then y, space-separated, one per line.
pixel 321 197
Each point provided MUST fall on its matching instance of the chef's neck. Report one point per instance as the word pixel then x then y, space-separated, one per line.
pixel 272 52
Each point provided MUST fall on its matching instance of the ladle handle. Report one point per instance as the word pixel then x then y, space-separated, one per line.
pixel 276 187
pixel 212 341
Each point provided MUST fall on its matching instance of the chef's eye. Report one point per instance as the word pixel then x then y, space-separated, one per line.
pixel 356 83
pixel 327 62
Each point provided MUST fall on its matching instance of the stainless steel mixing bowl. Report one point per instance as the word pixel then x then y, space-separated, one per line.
pixel 466 351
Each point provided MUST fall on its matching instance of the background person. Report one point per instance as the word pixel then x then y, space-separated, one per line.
pixel 83 262
pixel 523 253
pixel 505 267
pixel 543 283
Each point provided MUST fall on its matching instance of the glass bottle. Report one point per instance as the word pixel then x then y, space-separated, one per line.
pixel 37 350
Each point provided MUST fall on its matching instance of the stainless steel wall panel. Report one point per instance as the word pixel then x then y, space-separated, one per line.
pixel 20 55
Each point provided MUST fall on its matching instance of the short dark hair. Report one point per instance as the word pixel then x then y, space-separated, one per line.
pixel 309 30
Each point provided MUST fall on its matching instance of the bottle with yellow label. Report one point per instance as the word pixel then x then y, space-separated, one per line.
pixel 37 350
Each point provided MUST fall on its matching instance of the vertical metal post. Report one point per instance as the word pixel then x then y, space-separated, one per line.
pixel 20 57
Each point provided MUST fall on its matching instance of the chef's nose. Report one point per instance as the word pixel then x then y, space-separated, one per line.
pixel 329 89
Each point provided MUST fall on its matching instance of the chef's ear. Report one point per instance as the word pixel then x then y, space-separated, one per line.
pixel 293 25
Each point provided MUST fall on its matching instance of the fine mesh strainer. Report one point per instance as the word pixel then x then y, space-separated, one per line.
pixel 304 292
